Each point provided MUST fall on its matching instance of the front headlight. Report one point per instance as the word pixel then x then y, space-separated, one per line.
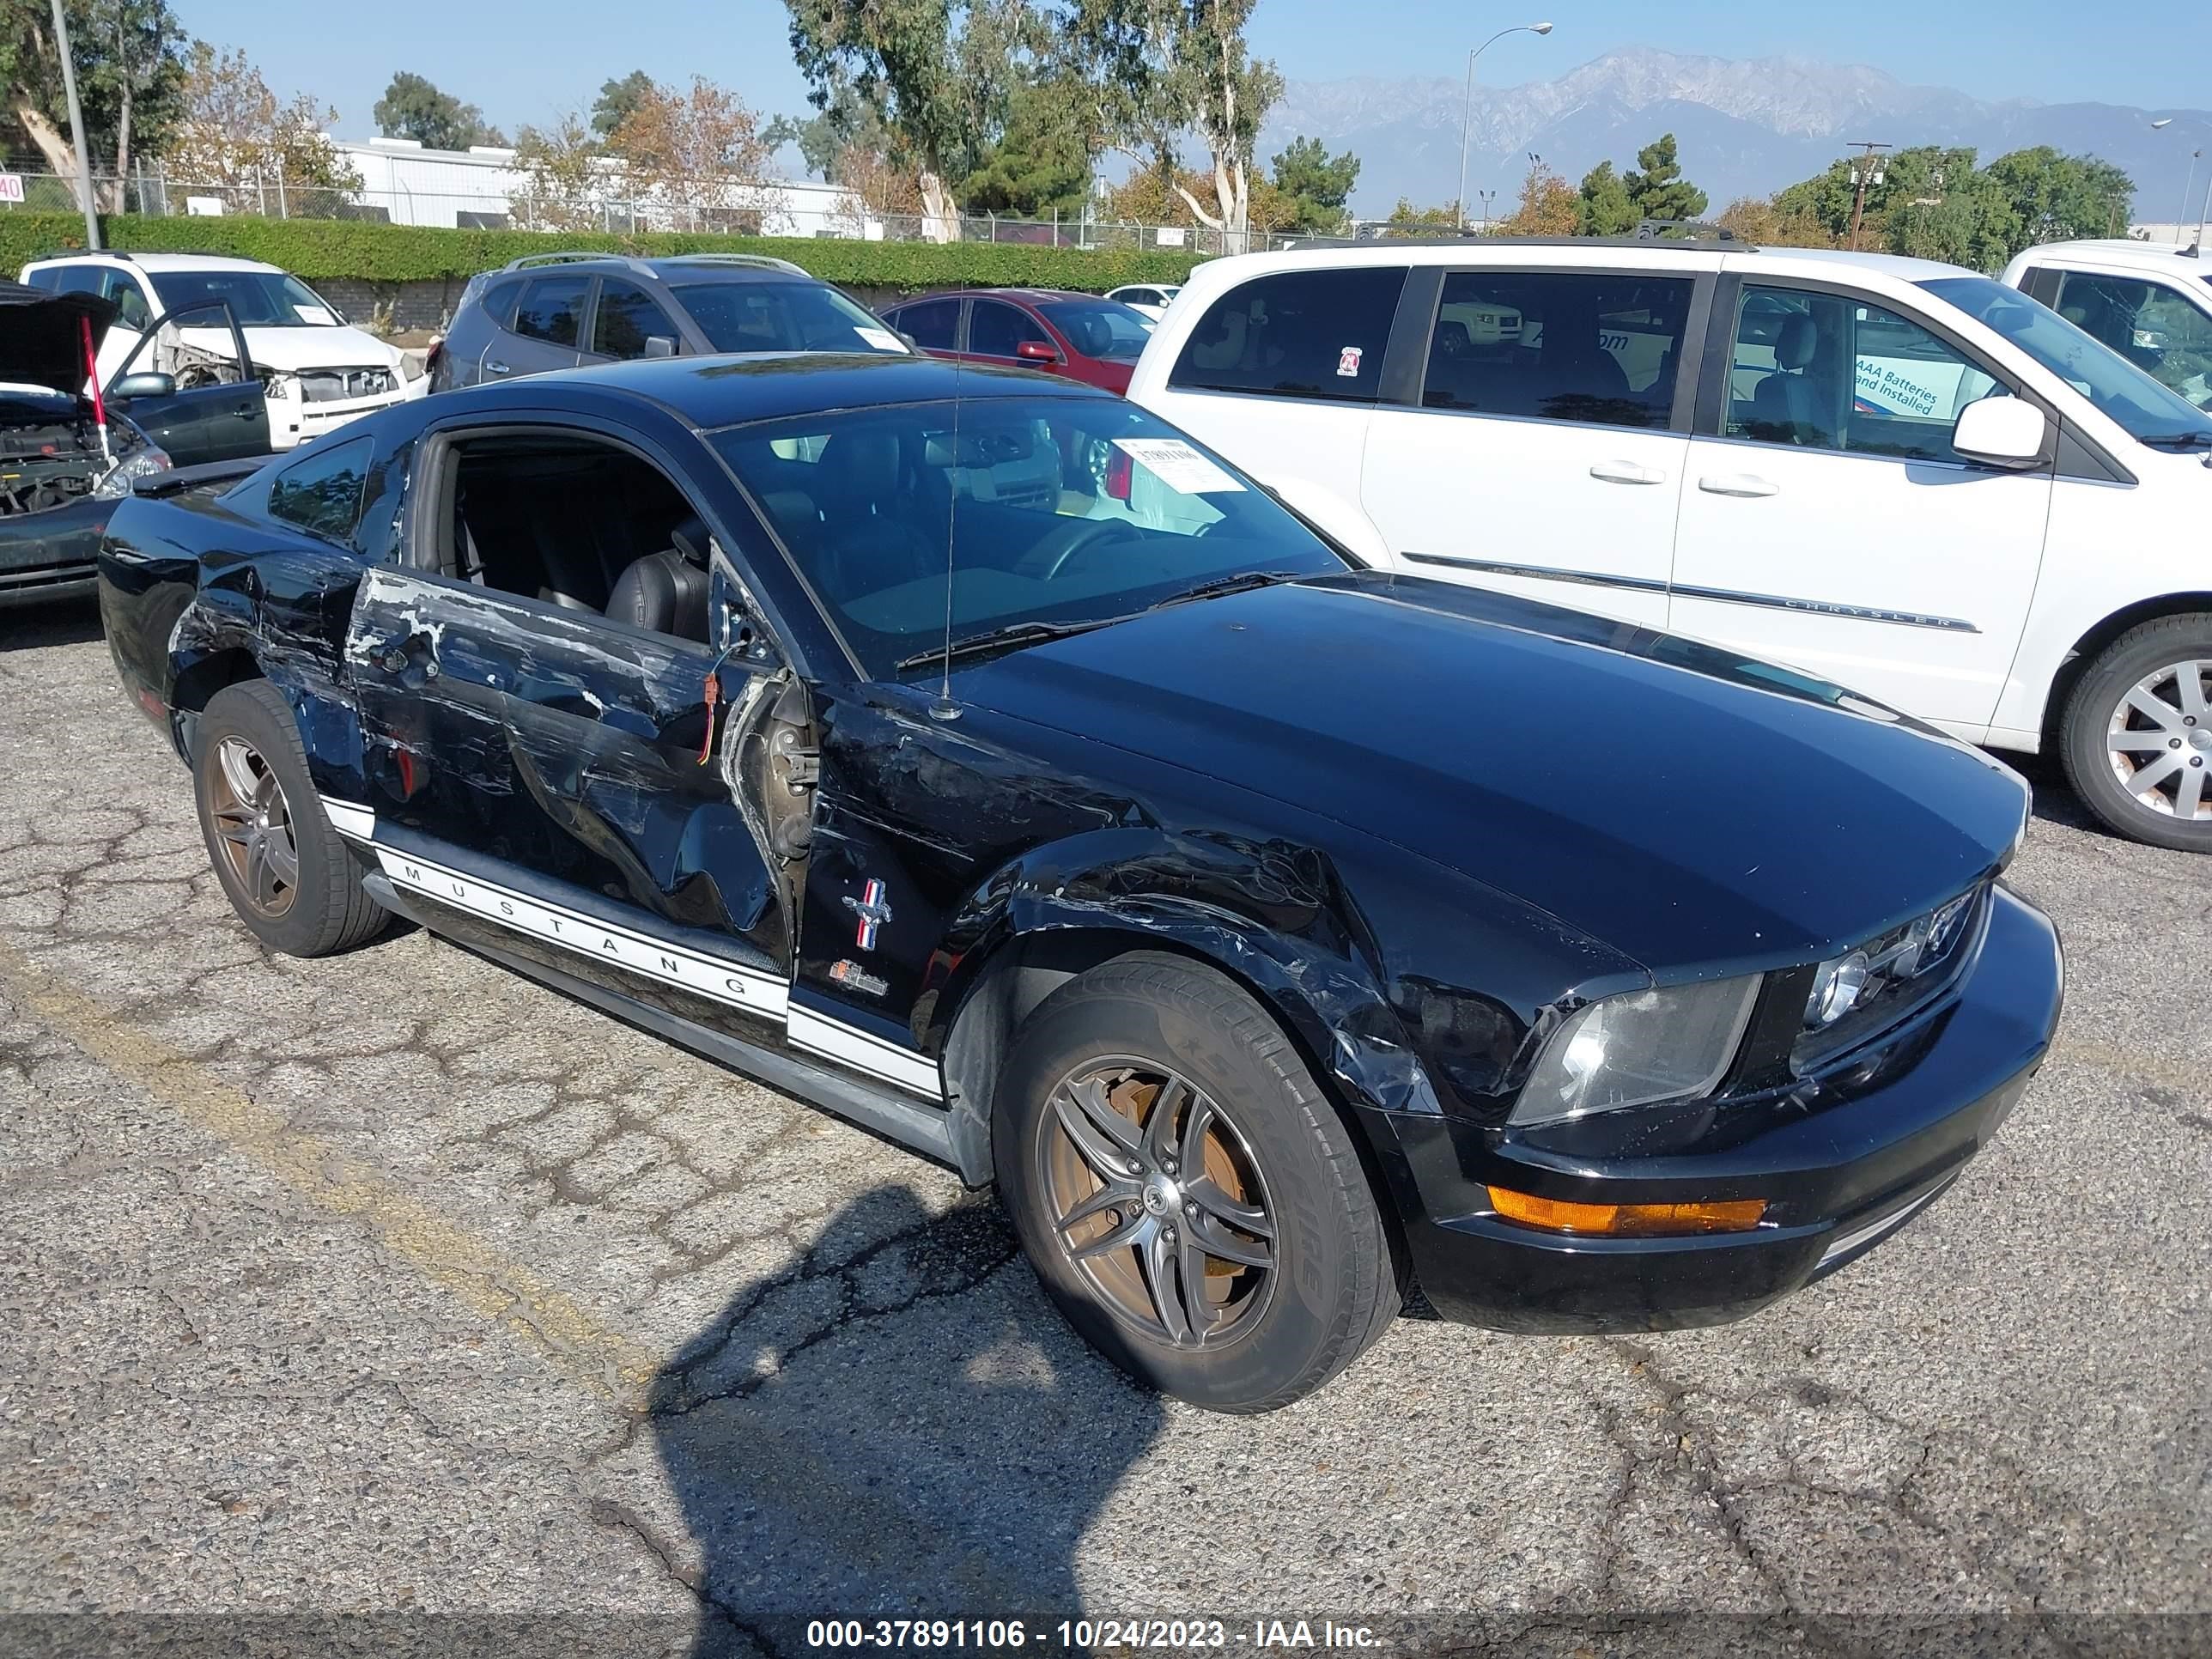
pixel 139 464
pixel 405 365
pixel 1671 1043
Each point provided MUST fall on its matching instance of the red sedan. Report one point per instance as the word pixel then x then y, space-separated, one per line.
pixel 1079 335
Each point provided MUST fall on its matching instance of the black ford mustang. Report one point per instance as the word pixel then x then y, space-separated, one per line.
pixel 973 755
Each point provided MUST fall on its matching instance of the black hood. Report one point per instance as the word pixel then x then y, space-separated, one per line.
pixel 42 336
pixel 1679 803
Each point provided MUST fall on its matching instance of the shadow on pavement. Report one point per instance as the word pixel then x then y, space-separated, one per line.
pixel 834 1460
pixel 54 621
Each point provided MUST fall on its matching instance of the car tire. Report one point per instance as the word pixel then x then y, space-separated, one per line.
pixel 2136 743
pixel 1308 1281
pixel 293 880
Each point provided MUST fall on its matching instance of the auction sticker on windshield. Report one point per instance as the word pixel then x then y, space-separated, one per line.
pixel 882 339
pixel 1178 465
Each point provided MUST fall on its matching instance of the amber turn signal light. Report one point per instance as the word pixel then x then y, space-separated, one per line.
pixel 1627 1220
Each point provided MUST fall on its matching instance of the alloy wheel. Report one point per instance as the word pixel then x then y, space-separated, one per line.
pixel 2158 741
pixel 254 822
pixel 1157 1201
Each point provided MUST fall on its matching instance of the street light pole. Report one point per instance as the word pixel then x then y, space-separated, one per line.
pixel 76 127
pixel 2187 191
pixel 1466 107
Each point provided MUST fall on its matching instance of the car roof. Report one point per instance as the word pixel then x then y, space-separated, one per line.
pixel 1019 296
pixel 729 391
pixel 1575 251
pixel 1887 264
pixel 2127 251
pixel 159 261
pixel 676 269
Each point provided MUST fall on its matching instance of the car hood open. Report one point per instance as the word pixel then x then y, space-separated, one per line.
pixel 42 336
pixel 1681 804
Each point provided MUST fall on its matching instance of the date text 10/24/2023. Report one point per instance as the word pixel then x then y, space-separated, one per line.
pixel 1086 1634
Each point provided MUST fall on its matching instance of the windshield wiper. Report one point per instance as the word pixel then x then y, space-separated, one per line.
pixel 2180 441
pixel 1036 633
pixel 993 639
pixel 1236 583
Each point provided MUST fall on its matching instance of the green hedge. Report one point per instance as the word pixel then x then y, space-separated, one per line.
pixel 364 251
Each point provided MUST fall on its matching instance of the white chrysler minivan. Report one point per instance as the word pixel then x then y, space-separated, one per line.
pixel 1896 475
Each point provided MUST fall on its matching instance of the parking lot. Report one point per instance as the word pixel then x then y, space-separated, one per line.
pixel 393 1283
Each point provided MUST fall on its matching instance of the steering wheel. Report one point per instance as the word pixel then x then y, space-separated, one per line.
pixel 1044 561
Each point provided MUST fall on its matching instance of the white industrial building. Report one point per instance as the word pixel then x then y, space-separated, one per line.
pixel 482 188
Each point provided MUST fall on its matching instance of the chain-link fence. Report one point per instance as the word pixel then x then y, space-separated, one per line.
pixel 783 210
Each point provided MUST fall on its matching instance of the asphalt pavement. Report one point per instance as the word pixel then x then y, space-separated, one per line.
pixel 391 1298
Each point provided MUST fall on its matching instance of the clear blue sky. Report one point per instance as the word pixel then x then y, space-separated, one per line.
pixel 522 63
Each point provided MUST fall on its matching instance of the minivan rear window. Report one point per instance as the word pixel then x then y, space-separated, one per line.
pixel 1296 334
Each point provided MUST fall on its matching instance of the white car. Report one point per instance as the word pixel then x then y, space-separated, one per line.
pixel 2149 301
pixel 1151 299
pixel 1897 476
pixel 319 372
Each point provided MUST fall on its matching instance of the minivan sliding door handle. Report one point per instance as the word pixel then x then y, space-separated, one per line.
pixel 1628 472
pixel 1737 483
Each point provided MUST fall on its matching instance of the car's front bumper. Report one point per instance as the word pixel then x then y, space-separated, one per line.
pixel 293 421
pixel 52 555
pixel 1841 1168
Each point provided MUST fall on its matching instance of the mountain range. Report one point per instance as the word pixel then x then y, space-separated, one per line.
pixel 1746 127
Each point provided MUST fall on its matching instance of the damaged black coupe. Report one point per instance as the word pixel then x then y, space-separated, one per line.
pixel 974 756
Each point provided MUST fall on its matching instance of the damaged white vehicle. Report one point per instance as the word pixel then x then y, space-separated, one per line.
pixel 318 370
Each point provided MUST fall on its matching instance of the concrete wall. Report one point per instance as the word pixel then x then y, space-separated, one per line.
pixel 415 305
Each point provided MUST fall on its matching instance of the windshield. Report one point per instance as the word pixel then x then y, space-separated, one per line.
pixel 783 317
pixel 1067 510
pixel 1100 328
pixel 259 299
pixel 2150 412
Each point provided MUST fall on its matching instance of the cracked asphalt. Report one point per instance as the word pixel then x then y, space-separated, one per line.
pixel 394 1285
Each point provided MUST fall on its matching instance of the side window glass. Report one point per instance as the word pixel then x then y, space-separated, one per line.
pixel 1558 346
pixel 2152 325
pixel 321 494
pixel 1820 371
pixel 131 308
pixel 627 318
pixel 550 308
pixel 1298 334
pixel 499 304
pixel 995 330
pixel 80 279
pixel 932 324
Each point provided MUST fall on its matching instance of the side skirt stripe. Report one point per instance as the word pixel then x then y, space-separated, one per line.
pixel 733 984
pixel 726 983
pixel 864 1051
pixel 354 823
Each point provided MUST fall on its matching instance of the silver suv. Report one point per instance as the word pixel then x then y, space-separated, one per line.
pixel 551 311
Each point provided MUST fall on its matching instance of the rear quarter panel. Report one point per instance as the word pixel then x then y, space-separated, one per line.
pixel 194 595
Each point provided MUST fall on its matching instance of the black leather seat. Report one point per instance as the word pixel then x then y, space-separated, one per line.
pixel 666 591
pixel 868 542
pixel 1787 405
